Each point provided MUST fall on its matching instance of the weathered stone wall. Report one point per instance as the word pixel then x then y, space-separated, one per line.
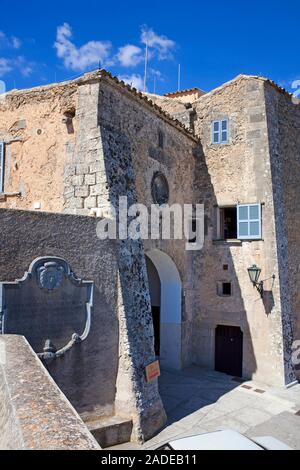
pixel 115 151
pixel 36 144
pixel 240 172
pixel 87 373
pixel 177 108
pixel 105 373
pixel 284 142
pixel 130 138
pixel 104 155
pixel 34 413
pixel 121 154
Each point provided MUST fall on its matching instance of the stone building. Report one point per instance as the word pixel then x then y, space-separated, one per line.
pixel 74 148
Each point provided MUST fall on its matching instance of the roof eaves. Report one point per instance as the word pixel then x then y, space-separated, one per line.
pixel 149 103
pixel 246 77
pixel 180 92
pixel 98 75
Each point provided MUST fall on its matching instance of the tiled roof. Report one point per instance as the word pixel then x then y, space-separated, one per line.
pixel 181 92
pixel 247 77
pixel 104 74
pixel 272 83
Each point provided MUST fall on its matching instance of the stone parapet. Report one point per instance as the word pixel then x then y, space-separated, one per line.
pixel 34 413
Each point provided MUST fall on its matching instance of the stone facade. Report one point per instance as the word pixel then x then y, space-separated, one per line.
pixel 253 167
pixel 241 173
pixel 37 140
pixel 100 140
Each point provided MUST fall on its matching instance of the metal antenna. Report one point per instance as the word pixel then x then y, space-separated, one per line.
pixel 146 67
pixel 179 76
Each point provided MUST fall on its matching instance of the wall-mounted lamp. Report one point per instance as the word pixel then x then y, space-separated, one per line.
pixel 254 273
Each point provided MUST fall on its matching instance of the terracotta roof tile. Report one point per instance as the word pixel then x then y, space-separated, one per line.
pixel 187 90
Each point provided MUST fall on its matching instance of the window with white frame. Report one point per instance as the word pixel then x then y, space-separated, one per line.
pixel 1 167
pixel 220 131
pixel 241 222
pixel 249 221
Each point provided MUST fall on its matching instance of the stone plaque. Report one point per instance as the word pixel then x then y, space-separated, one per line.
pixel 50 306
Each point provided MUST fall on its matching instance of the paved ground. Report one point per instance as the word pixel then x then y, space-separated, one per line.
pixel 197 401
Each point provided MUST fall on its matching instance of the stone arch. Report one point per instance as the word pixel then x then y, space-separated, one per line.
pixel 170 308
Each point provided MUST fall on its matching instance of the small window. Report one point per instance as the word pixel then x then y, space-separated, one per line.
pixel 226 288
pixel 1 167
pixel 220 133
pixel 160 139
pixel 249 221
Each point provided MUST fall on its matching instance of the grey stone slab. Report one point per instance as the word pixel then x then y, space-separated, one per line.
pixel 34 413
pixel 251 416
pixel 285 427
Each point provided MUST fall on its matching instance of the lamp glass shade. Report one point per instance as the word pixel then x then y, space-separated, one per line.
pixel 254 273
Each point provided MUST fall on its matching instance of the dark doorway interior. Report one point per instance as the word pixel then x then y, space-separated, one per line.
pixel 229 350
pixel 156 326
pixel 228 223
pixel 155 294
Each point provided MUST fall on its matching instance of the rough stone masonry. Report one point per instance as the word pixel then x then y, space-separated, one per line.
pixel 72 149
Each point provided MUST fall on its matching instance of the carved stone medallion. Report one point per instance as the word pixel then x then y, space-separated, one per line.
pixel 50 275
pixel 160 189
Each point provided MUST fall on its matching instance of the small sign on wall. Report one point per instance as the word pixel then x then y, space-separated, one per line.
pixel 152 371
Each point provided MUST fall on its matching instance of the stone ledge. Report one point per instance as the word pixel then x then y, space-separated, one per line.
pixel 34 413
pixel 111 431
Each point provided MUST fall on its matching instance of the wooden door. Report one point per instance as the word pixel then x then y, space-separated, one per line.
pixel 229 350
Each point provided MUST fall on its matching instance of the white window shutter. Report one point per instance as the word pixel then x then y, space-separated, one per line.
pixel 1 167
pixel 216 132
pixel 249 221
pixel 224 131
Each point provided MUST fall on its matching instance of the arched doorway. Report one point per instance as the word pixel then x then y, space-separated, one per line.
pixel 165 292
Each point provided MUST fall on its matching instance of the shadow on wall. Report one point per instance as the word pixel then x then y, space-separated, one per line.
pixel 211 307
pixel 268 301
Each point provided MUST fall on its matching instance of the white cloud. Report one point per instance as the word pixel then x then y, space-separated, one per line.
pixel 25 67
pixel 157 74
pixel 130 55
pixel 161 44
pixel 5 66
pixel 16 42
pixel 20 63
pixel 9 42
pixel 134 80
pixel 81 58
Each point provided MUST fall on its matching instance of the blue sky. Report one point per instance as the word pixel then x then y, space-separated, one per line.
pixel 213 41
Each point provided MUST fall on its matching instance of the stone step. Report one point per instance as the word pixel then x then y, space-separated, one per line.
pixel 110 431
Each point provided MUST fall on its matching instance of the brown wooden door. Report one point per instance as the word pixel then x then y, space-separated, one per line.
pixel 229 350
